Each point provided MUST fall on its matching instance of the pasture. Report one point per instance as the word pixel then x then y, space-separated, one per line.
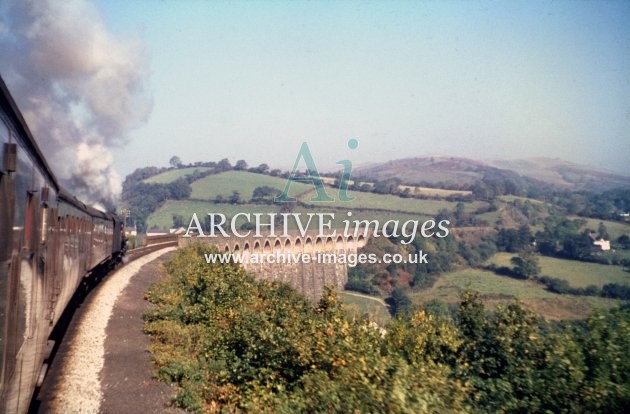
pixel 494 289
pixel 172 175
pixel 615 228
pixel 388 202
pixel 208 188
pixel 163 217
pixel 578 274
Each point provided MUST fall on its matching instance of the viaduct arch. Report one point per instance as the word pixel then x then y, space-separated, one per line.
pixel 326 264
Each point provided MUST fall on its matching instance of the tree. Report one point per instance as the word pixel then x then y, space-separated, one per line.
pixel 175 161
pixel 400 302
pixel 603 231
pixel 240 165
pixel 388 186
pixel 513 240
pixel 224 165
pixel 624 241
pixel 460 210
pixel 179 189
pixel 235 198
pixel 265 194
pixel 179 221
pixel 262 169
pixel 577 246
pixel 526 264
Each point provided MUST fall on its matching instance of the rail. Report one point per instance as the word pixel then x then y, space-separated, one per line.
pixel 151 244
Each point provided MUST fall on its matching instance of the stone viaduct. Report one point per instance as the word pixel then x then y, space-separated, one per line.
pixel 324 266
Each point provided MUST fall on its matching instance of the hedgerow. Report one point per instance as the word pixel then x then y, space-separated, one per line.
pixel 235 344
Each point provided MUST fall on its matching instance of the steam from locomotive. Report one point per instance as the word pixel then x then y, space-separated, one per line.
pixel 80 89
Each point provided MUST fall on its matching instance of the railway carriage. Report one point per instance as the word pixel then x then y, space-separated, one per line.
pixel 49 242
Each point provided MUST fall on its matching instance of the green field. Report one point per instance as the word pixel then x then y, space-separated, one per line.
pixel 512 198
pixel 578 274
pixel 172 175
pixel 615 228
pixel 163 217
pixel 490 283
pixel 373 201
pixel 341 216
pixel 434 192
pixel 208 188
pixel 491 217
pixel 496 289
pixel 358 305
pixel 426 191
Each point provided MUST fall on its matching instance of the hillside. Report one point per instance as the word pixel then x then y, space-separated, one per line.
pixel 160 199
pixel 435 170
pixel 443 170
pixel 174 174
pixel 564 174
pixel 223 184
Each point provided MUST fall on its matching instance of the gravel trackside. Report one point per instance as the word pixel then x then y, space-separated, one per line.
pixel 105 367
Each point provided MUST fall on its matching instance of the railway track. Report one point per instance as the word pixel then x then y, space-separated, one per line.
pixel 151 244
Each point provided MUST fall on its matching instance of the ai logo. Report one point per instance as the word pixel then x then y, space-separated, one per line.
pixel 315 179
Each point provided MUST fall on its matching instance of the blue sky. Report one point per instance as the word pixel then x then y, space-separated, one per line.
pixel 253 80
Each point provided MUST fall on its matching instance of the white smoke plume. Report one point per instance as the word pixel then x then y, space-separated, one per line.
pixel 80 89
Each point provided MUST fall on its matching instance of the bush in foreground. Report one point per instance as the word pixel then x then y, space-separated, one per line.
pixel 232 343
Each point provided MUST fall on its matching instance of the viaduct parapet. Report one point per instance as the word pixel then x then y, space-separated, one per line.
pixel 307 262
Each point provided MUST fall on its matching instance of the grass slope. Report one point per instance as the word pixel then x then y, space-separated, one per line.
pixel 208 188
pixel 388 202
pixel 578 274
pixel 615 228
pixel 432 170
pixel 490 283
pixel 496 289
pixel 172 175
pixel 163 217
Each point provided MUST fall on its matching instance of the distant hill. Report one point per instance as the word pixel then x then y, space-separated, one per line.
pixel 447 171
pixel 434 170
pixel 564 173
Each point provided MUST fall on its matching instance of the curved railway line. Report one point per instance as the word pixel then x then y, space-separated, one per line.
pixel 100 357
pixel 53 249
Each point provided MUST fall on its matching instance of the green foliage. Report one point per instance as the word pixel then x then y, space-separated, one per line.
pixel 605 341
pixel 265 194
pixel 514 240
pixel 526 264
pixel 143 198
pixel 604 205
pixel 400 302
pixel 517 363
pixel 562 237
pixel 624 241
pixel 175 161
pixel 360 280
pixel 231 343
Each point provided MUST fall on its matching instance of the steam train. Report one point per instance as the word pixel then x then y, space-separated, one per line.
pixel 49 243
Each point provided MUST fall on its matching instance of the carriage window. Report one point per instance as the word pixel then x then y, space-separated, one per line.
pixel 29 224
pixel 4 132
